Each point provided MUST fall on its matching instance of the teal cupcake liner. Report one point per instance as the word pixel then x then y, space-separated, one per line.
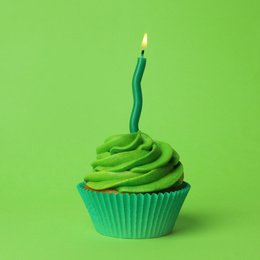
pixel 134 216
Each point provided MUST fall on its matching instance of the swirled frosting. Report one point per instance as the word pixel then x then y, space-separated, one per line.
pixel 135 163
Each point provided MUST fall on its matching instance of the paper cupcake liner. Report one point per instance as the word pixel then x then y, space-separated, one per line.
pixel 134 216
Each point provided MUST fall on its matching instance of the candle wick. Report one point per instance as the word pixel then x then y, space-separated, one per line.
pixel 142 53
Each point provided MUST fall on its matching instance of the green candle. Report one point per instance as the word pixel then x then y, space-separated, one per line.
pixel 137 92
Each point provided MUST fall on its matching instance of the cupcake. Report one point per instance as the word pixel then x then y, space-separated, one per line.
pixel 136 189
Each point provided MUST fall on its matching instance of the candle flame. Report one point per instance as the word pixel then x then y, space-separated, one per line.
pixel 144 42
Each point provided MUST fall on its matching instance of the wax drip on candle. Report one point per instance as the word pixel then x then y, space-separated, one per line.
pixel 137 92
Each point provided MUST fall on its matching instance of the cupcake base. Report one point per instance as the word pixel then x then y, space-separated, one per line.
pixel 134 216
pixel 111 190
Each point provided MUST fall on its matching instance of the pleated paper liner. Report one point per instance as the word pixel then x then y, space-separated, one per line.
pixel 134 216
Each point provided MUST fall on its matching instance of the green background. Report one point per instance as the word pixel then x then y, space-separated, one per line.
pixel 65 85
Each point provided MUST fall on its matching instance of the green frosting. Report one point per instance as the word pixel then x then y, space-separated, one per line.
pixel 135 163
